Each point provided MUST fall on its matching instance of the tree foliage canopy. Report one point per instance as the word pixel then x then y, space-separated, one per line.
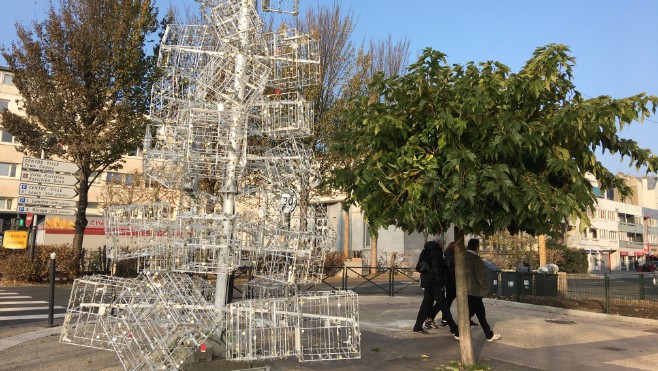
pixel 481 147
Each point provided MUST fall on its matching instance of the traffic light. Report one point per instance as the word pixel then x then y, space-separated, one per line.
pixel 21 222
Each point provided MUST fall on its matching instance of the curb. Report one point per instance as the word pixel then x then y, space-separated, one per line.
pixel 12 341
pixel 573 312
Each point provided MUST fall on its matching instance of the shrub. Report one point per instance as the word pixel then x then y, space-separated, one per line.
pixel 573 260
pixel 333 260
pixel 16 265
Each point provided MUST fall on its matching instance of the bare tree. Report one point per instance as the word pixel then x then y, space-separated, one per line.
pixel 388 56
pixel 135 188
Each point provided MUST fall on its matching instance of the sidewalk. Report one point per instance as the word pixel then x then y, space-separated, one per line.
pixel 533 338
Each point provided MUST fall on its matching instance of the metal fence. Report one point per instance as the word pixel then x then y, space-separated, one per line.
pixel 626 293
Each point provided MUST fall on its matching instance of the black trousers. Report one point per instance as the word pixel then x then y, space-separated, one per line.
pixel 433 296
pixel 451 295
pixel 476 306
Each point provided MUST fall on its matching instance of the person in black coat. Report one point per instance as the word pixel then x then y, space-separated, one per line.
pixel 451 285
pixel 432 280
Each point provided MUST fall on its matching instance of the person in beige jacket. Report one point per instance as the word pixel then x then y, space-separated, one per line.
pixel 477 285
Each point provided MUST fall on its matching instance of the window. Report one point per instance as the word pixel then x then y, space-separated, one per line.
pixel 113 177
pixel 8 79
pixel 7 169
pixel 603 234
pixel 613 235
pixel 4 104
pixel 6 203
pixel 119 178
pixel 6 137
pixel 135 153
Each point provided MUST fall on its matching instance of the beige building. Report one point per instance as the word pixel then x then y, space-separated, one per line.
pixel 51 229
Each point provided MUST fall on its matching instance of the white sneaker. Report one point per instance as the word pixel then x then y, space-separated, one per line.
pixel 494 337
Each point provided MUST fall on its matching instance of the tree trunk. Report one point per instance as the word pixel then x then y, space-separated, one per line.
pixel 464 319
pixel 373 254
pixel 81 218
pixel 542 249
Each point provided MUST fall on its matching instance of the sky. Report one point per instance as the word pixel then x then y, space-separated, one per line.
pixel 615 42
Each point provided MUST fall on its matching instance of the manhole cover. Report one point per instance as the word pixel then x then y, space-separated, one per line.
pixel 560 321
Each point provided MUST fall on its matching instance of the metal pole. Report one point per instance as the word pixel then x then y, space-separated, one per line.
pixel 606 285
pixel 32 239
pixel 391 280
pixel 51 302
pixel 228 196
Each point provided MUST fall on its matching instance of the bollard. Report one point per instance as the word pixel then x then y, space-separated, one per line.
pixel 51 303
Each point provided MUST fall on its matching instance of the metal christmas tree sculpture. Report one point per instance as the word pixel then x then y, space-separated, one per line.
pixel 229 110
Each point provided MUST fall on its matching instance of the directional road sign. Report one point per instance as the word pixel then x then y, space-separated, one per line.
pixel 31 163
pixel 49 178
pixel 52 202
pixel 46 191
pixel 45 210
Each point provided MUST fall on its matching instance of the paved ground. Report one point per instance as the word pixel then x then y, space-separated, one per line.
pixel 533 338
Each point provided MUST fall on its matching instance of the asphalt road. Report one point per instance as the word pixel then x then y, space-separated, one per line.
pixel 29 304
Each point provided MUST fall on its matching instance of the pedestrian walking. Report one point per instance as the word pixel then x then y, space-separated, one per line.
pixel 432 279
pixel 451 284
pixel 477 286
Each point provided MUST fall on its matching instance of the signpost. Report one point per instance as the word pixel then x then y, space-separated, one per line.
pixel 47 191
pixel 49 178
pixel 30 163
pixel 52 180
pixel 53 190
pixel 51 202
pixel 45 210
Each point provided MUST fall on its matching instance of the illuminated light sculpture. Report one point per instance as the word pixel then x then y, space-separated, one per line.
pixel 223 82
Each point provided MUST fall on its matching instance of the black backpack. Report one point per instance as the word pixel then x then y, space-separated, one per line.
pixel 423 265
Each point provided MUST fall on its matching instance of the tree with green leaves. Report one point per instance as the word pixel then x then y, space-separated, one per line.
pixel 84 76
pixel 482 148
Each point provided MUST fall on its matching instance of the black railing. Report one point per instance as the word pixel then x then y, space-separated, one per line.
pixel 603 292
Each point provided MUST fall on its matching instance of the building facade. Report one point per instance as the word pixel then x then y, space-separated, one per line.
pixel 622 234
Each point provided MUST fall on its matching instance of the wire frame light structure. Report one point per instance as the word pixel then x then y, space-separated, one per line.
pixel 224 82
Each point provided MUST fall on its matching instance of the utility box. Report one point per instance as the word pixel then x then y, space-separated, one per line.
pixel 493 277
pixel 546 284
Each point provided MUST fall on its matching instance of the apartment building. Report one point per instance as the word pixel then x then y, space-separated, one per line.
pixel 623 234
pixel 51 229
